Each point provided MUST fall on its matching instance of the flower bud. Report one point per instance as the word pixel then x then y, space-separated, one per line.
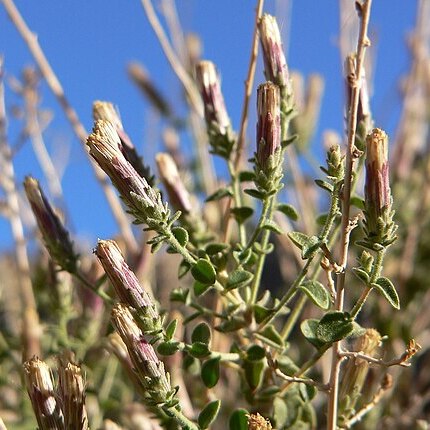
pixel 149 369
pixel 216 116
pixel 275 65
pixel 178 194
pixel 356 370
pixel 126 285
pixel 268 126
pixel 107 112
pixel 72 393
pixel 378 201
pixel 144 202
pixel 54 234
pixel 40 388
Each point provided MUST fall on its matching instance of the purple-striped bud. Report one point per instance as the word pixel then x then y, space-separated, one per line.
pixel 40 388
pixel 107 112
pixel 105 147
pixel 55 236
pixel 125 282
pixel 275 64
pixel 149 368
pixel 216 116
pixel 268 126
pixel 72 394
pixel 178 195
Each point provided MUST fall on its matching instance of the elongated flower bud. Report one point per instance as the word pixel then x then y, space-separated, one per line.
pixel 126 285
pixel 216 116
pixel 356 370
pixel 378 201
pixel 275 64
pixel 268 126
pixel 72 394
pixel 149 368
pixel 141 78
pixel 107 112
pixel 40 388
pixel 144 202
pixel 55 236
pixel 178 194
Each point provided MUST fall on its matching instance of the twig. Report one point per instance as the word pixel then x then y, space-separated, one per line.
pixel 55 86
pixel 31 330
pixel 240 144
pixel 306 381
pixel 363 42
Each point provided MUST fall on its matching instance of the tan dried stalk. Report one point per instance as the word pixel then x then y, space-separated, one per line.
pixel 363 43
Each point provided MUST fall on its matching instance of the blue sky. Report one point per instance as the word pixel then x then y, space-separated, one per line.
pixel 89 44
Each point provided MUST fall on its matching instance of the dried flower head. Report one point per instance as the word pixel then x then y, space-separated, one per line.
pixel 149 368
pixel 143 201
pixel 72 393
pixel 126 284
pixel 258 422
pixel 140 76
pixel 216 116
pixel 275 64
pixel 178 194
pixel 268 126
pixel 40 388
pixel 106 111
pixel 55 236
pixel 378 201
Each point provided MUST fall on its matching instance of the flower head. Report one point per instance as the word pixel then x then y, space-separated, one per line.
pixel 55 236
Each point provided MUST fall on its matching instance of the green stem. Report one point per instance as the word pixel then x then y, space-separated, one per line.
pixel 376 272
pixel 106 298
pixel 180 418
pixel 237 198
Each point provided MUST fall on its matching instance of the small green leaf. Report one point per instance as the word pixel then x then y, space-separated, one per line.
pixel 201 333
pixel 183 269
pixel 309 331
pixel 324 185
pixel 181 235
pixel 204 272
pixel 271 334
pixel 208 415
pixel 238 278
pixel 220 194
pixel 200 289
pixel 255 353
pixel 317 293
pixel 179 295
pixel 255 193
pixel 299 239
pixel 310 247
pixel 272 226
pixel 215 248
pixel 199 350
pixel 361 274
pixel 170 329
pixel 261 313
pixel 168 348
pixel 246 176
pixel 242 214
pixel 238 420
pixel 232 324
pixel 210 372
pixel 254 372
pixel 387 289
pixel 288 210
pixel 334 326
pixel 357 202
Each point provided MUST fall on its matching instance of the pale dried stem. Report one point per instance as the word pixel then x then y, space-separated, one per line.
pixel 54 84
pixel 193 96
pixel 249 83
pixel 363 42
pixel 31 330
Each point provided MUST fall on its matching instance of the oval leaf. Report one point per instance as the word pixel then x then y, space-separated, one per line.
pixel 238 420
pixel 238 278
pixel 210 372
pixel 317 293
pixel 204 272
pixel 288 210
pixel 387 289
pixel 208 415
pixel 181 235
pixel 201 333
pixel 334 326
